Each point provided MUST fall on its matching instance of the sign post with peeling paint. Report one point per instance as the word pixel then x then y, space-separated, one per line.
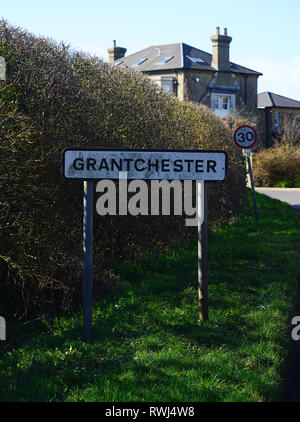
pixel 96 164
pixel 2 329
pixel 2 69
pixel 245 137
pixel 2 78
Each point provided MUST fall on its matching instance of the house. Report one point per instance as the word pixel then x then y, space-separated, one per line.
pixel 194 75
pixel 274 112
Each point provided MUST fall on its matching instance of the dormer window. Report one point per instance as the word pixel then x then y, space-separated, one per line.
pixel 164 60
pixel 139 62
pixel 195 59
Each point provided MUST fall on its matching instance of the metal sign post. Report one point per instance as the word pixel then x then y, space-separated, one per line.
pixel 252 183
pixel 95 164
pixel 87 258
pixel 202 250
pixel 245 137
pixel 2 69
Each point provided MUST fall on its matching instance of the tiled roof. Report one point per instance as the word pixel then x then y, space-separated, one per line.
pixel 175 56
pixel 268 99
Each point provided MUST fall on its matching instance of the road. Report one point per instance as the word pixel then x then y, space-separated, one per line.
pixel 291 392
pixel 289 195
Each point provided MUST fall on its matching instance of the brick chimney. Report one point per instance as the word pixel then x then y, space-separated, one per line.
pixel 220 59
pixel 115 53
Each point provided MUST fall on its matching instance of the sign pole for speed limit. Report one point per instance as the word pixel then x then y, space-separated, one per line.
pixel 245 137
pixel 252 183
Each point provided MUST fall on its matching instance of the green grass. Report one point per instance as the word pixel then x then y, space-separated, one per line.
pixel 148 343
pixel 287 183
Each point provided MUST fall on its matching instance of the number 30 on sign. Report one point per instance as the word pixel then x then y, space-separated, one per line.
pixel 245 137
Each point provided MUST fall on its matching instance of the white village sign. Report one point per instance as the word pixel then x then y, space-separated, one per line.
pixel 96 164
pixel 143 164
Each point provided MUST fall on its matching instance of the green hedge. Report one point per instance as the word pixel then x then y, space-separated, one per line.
pixel 56 98
pixel 277 166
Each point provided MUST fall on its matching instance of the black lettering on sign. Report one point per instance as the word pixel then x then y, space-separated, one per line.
pixel 128 161
pixel 199 166
pixel 188 164
pixel 155 165
pixel 91 162
pixel 178 165
pixel 115 163
pixel 241 137
pixel 165 165
pixel 78 164
pixel 139 168
pixel 103 165
pixel 211 165
pixel 249 136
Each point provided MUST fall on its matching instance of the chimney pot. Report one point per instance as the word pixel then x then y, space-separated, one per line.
pixel 220 56
pixel 115 53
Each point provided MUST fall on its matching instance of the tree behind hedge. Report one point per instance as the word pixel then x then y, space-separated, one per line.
pixel 56 98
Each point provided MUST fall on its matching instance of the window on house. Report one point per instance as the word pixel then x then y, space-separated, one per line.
pixel 215 103
pixel 139 62
pixel 195 59
pixel 226 103
pixel 165 60
pixel 222 104
pixel 277 117
pixel 168 84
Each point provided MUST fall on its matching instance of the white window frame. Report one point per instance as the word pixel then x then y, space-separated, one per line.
pixel 220 96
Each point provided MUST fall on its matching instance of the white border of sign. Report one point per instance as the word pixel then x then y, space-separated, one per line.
pixel 158 164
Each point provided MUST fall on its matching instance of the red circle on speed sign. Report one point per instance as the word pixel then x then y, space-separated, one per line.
pixel 245 137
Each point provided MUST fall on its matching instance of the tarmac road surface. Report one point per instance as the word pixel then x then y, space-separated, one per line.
pixel 291 389
pixel 289 195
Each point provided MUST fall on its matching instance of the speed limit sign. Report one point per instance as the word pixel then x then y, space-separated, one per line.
pixel 245 137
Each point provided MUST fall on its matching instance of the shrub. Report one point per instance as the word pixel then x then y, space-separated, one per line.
pixel 290 131
pixel 278 165
pixel 55 98
pixel 297 182
pixel 285 183
pixel 239 118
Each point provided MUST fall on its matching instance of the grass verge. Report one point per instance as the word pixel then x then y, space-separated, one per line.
pixel 148 344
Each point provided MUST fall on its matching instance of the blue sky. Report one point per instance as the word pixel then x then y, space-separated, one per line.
pixel 266 33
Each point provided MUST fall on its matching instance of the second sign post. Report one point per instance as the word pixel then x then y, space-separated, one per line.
pixel 245 137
